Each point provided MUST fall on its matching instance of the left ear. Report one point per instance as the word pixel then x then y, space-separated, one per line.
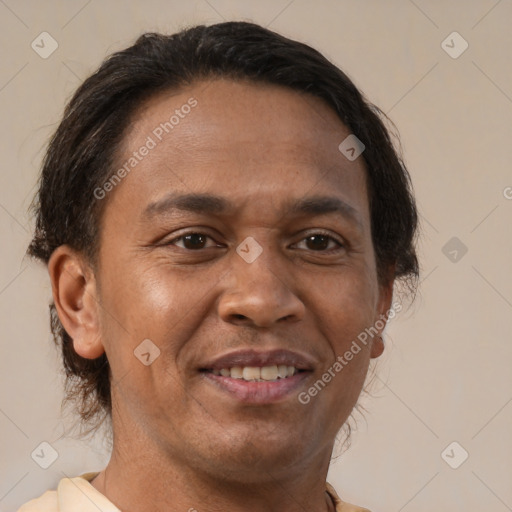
pixel 383 307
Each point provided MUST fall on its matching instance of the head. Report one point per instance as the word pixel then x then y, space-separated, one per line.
pixel 194 202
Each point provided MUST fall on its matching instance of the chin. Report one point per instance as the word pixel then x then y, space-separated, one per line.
pixel 252 457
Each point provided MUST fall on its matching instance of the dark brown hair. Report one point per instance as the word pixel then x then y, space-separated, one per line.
pixel 81 154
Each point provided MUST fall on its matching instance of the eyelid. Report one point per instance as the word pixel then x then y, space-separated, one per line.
pixel 202 231
pixel 192 232
pixel 318 231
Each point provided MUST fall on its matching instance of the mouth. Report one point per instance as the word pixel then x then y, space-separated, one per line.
pixel 258 377
pixel 257 373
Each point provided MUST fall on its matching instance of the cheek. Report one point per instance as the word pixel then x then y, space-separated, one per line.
pixel 150 300
pixel 347 311
pixel 347 304
pixel 144 328
pixel 142 294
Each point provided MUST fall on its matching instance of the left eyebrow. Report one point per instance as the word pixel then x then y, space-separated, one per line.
pixel 216 205
pixel 324 205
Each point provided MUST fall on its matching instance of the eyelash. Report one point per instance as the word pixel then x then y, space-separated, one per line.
pixel 341 245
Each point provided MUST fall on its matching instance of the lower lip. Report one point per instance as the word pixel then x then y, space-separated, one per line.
pixel 258 392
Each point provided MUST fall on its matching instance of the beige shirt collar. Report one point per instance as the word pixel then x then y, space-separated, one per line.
pixel 78 495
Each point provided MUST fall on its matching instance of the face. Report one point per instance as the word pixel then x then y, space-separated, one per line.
pixel 239 240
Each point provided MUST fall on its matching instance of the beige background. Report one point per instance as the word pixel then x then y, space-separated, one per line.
pixel 446 375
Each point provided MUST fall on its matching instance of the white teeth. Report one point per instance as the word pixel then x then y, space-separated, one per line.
pixel 255 373
pixel 282 371
pixel 237 372
pixel 269 373
pixel 251 373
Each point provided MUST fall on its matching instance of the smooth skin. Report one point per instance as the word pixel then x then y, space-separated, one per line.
pixel 181 442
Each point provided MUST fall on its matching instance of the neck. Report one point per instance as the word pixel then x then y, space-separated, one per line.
pixel 142 477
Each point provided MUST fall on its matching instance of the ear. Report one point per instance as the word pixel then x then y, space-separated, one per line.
pixel 383 308
pixel 75 297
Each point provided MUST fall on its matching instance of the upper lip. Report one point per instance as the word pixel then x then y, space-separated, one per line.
pixel 260 358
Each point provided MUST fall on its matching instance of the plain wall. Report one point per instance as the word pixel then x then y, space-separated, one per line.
pixel 446 372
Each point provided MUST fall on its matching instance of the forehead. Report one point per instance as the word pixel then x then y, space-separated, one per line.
pixel 245 140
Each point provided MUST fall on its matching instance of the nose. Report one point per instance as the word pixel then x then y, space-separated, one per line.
pixel 260 296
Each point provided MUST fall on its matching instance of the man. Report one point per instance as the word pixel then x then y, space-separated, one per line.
pixel 223 217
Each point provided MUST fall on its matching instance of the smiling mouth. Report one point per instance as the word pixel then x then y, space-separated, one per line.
pixel 259 377
pixel 256 373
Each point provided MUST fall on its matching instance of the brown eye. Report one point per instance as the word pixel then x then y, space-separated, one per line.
pixel 191 241
pixel 194 241
pixel 319 242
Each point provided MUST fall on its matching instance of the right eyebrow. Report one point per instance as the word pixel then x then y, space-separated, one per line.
pixel 197 203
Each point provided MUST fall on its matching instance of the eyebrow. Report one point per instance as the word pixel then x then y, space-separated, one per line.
pixel 215 205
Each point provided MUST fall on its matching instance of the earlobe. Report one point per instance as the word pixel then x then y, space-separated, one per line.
pixel 385 299
pixel 74 295
pixel 377 347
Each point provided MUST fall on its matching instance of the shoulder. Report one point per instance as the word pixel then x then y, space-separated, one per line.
pixel 343 506
pixel 48 502
pixel 72 494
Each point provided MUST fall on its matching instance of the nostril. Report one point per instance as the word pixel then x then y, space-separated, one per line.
pixel 239 317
